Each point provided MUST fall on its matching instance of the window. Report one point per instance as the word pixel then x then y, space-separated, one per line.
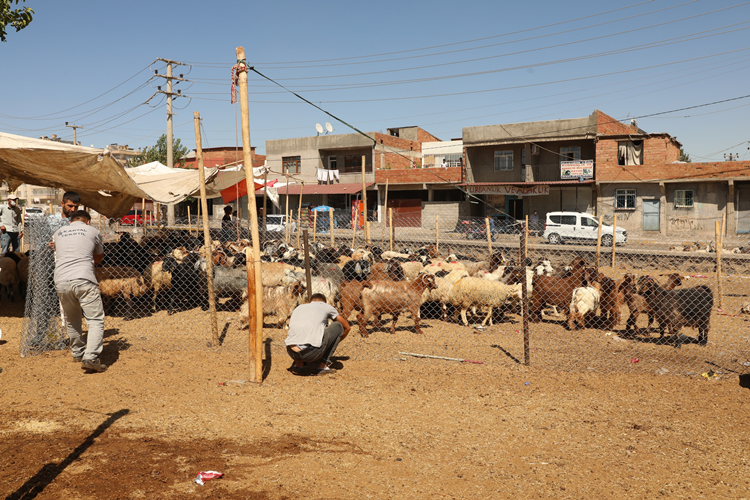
pixel 503 161
pixel 683 198
pixel 624 199
pixel 454 160
pixel 291 164
pixel 352 164
pixel 570 153
pixel 568 220
pixel 630 153
pixel 589 222
pixel 332 162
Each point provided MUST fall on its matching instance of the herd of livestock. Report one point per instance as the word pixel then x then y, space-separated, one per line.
pixel 170 270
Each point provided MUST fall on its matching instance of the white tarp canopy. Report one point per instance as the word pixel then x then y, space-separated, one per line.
pixel 93 173
pixel 169 185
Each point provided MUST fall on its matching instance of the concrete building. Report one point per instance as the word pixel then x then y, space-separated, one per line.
pixel 121 152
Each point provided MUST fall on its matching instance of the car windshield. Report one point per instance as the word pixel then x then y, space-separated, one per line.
pixel 273 220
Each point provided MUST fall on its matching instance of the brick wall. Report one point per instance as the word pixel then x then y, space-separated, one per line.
pixel 607 125
pixel 418 175
pixel 606 171
pixel 424 136
pixel 214 158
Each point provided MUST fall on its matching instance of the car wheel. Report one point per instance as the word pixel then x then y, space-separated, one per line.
pixel 554 239
pixel 607 240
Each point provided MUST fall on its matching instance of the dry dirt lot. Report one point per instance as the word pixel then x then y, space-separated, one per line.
pixel 384 426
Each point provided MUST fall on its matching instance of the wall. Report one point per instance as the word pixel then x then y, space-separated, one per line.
pixel 449 212
pixel 710 203
pixel 418 175
pixel 631 220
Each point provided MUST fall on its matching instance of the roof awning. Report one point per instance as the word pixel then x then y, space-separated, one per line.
pixel 352 188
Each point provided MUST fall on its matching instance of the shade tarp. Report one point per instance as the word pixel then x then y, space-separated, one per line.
pixel 168 185
pixel 93 173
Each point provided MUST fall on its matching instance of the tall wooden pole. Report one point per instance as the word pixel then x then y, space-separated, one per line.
pixel 299 214
pixel 330 228
pixel 355 216
pixel 288 227
pixel 598 242
pixel 718 265
pixel 489 236
pixel 614 239
pixel 364 202
pixel 315 225
pixel 206 233
pixel 390 226
pixel 526 241
pixel 265 198
pixel 524 297
pixel 385 211
pixel 437 233
pixel 190 223
pixel 256 295
pixel 308 274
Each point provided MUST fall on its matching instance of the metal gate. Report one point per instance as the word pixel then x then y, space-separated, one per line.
pixel 651 212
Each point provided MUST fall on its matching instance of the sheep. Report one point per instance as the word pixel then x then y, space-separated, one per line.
pixel 157 279
pixel 479 292
pixel 411 269
pixel 273 272
pixel 357 270
pixel 23 274
pixel 585 301
pixel 442 292
pixel 187 283
pixel 436 266
pixel 387 255
pixel 9 274
pixel 277 300
pixel 122 281
pixel 393 297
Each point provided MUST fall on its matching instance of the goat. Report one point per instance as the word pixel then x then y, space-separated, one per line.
pixel 393 297
pixel 585 301
pixel 121 281
pixel 636 303
pixel 557 291
pixel 674 309
pixel 277 300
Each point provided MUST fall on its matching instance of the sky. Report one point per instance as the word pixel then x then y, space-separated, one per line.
pixel 439 65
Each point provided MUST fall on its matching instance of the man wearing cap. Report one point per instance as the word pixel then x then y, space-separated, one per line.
pixel 10 224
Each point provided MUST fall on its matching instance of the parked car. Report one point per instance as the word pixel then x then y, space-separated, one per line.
pixel 278 223
pixel 577 226
pixel 33 212
pixel 136 215
pixel 474 229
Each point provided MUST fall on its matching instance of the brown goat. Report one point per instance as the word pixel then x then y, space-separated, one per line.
pixel 637 304
pixel 390 271
pixel 393 297
pixel 557 291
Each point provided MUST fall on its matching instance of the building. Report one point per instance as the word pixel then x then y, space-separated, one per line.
pixel 327 169
pixel 121 152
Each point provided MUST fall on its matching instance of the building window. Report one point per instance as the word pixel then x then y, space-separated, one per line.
pixel 332 163
pixel 570 153
pixel 683 198
pixel 624 199
pixel 454 160
pixel 630 153
pixel 291 164
pixel 503 161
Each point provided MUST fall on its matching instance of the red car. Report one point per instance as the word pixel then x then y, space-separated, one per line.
pixel 136 215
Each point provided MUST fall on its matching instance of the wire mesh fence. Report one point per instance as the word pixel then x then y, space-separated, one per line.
pixel 451 288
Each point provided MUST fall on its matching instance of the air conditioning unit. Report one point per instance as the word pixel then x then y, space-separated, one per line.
pixel 535 150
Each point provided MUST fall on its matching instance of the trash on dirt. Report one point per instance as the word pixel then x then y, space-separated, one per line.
pixel 237 382
pixel 662 371
pixel 207 476
pixel 634 360
pixel 745 363
pixel 441 357
pixel 526 383
pixel 698 276
pixel 709 374
pixel 221 383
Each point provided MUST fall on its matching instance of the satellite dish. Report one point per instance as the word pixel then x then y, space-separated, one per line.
pixel 329 128
pixel 319 128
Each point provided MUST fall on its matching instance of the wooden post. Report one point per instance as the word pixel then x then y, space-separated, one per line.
pixel 524 297
pixel 51 210
pixel 265 198
pixel 364 202
pixel 614 239
pixel 526 241
pixel 315 225
pixel 190 223
pixel 330 228
pixel 255 294
pixel 598 242
pixel 390 226
pixel 299 214
pixel 437 233
pixel 489 235
pixel 308 275
pixel 288 227
pixel 23 226
pixel 718 265
pixel 206 233
pixel 355 216
pixel 385 211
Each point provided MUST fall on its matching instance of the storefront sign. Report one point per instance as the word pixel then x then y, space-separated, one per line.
pixel 509 190
pixel 581 169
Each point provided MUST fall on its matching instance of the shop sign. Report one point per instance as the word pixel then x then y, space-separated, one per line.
pixel 541 190
pixel 580 169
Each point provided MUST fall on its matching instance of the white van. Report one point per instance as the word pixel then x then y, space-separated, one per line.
pixel 578 226
pixel 278 223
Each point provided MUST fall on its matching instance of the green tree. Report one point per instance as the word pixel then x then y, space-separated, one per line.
pixel 684 156
pixel 158 152
pixel 18 18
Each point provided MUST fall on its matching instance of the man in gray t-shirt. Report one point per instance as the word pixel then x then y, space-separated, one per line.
pixel 77 248
pixel 310 340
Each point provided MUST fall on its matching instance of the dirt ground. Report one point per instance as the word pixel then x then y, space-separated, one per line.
pixel 385 425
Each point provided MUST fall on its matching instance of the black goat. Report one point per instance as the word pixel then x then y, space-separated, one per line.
pixel 674 309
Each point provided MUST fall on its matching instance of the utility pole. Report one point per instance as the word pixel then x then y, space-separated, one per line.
pixel 74 127
pixel 170 137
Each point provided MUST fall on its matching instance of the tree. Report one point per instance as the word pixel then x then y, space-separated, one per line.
pixel 18 18
pixel 158 152
pixel 684 156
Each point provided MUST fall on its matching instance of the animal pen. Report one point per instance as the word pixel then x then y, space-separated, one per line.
pixel 500 299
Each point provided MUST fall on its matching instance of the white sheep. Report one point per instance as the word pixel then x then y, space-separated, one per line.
pixel 388 255
pixel 444 288
pixel 437 266
pixel 585 301
pixel 411 270
pixel 479 292
pixel 277 300
pixel 121 280
pixel 157 280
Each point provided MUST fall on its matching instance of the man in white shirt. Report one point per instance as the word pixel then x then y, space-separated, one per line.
pixel 10 225
pixel 311 339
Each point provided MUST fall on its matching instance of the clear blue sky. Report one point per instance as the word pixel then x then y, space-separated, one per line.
pixel 440 65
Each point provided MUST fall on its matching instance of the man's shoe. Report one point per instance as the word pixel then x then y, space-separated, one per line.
pixel 93 365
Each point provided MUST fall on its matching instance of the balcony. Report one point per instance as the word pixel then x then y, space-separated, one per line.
pixel 419 175
pixel 540 173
